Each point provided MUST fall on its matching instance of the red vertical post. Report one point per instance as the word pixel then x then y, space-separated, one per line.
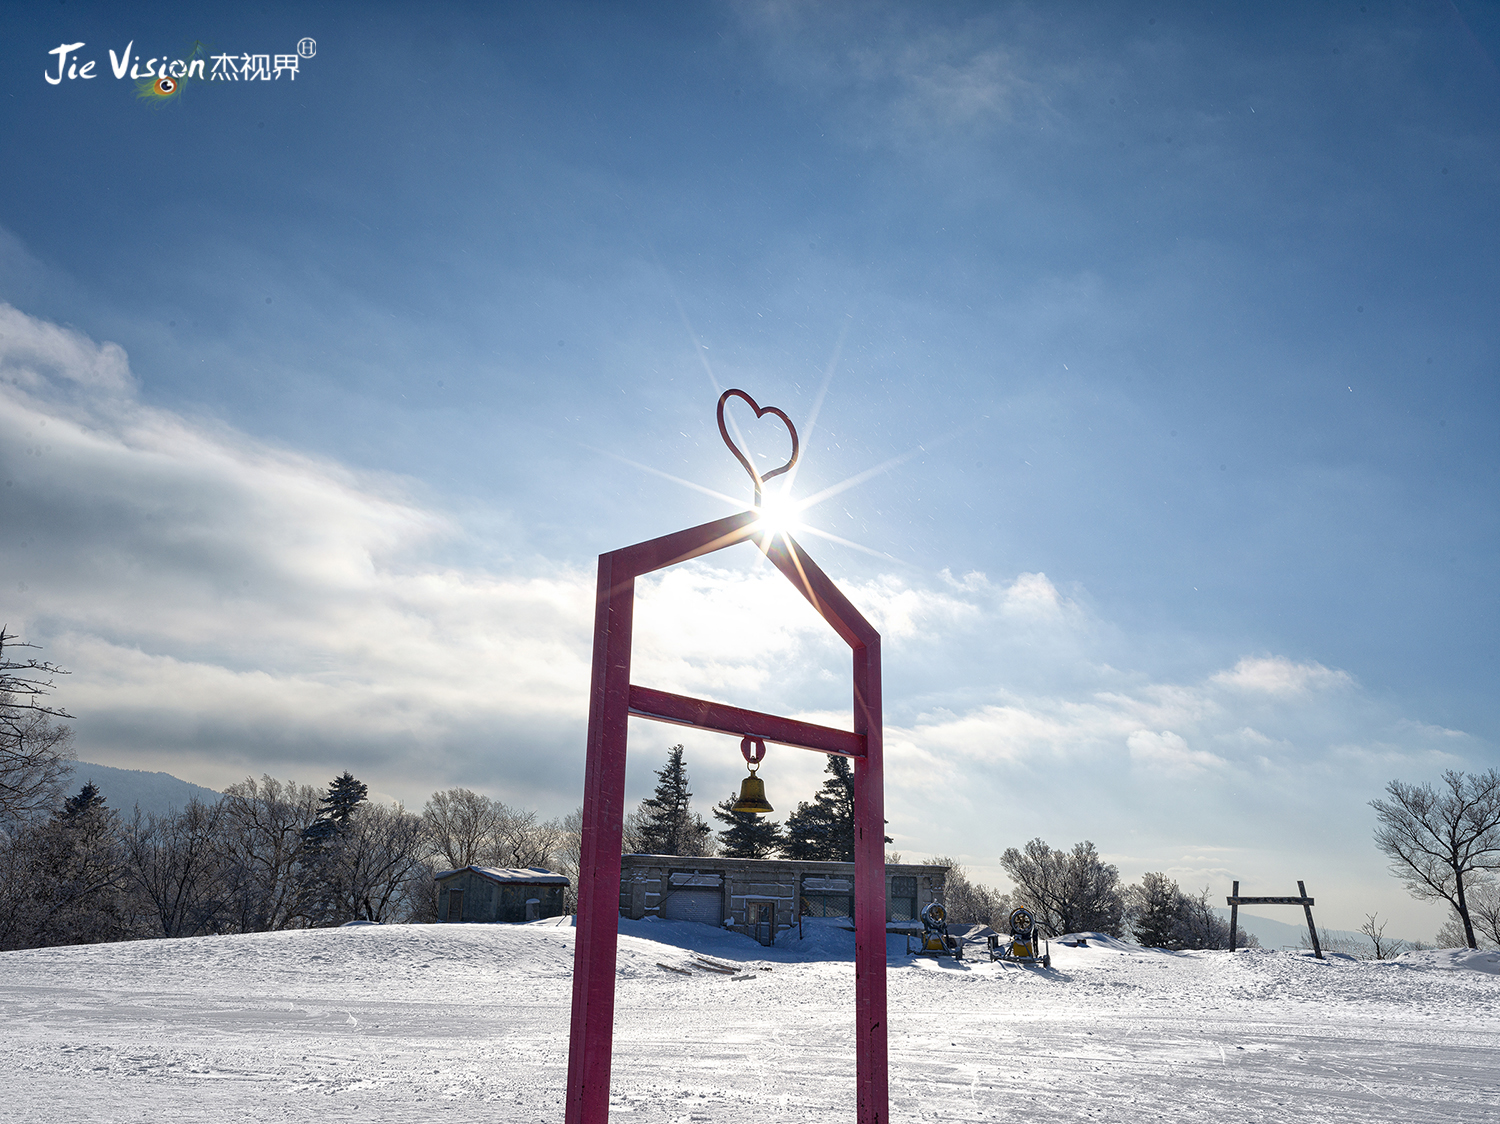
pixel 871 1076
pixel 596 937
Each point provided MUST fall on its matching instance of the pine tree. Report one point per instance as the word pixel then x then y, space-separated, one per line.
pixel 318 865
pixel 748 835
pixel 88 798
pixel 668 825
pixel 824 829
pixel 344 795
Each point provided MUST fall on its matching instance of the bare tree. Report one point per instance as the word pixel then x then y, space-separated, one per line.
pixel 632 839
pixel 1383 947
pixel 1484 909
pixel 373 867
pixel 175 863
pixel 468 829
pixel 522 840
pixel 262 832
pixel 1435 839
pixel 461 826
pixel 35 751
pixel 568 858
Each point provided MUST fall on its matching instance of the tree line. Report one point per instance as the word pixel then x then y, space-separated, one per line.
pixel 271 854
pixel 267 855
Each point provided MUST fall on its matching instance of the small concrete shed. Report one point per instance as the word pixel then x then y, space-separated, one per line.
pixel 487 893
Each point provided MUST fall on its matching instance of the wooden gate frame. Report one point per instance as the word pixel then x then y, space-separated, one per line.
pixel 613 699
pixel 1235 901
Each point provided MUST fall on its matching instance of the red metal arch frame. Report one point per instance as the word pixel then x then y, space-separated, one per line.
pixel 613 698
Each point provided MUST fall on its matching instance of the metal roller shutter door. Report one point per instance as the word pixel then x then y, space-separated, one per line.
pixel 693 904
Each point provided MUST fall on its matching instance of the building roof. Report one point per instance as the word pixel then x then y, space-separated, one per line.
pixel 528 875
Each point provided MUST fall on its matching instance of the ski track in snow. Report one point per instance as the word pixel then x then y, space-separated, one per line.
pixel 407 1023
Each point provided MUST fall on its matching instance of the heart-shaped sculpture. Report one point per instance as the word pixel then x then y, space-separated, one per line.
pixel 760 411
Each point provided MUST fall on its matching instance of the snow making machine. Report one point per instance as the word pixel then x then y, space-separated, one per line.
pixel 935 940
pixel 1027 945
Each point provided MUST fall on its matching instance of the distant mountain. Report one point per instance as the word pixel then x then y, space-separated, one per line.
pixel 124 789
pixel 1280 934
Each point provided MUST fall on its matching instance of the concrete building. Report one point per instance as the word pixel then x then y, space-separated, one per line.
pixel 486 893
pixel 764 897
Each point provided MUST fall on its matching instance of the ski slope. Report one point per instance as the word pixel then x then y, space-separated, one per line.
pixel 408 1023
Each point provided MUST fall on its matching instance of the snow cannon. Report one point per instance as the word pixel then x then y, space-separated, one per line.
pixel 1027 945
pixel 935 940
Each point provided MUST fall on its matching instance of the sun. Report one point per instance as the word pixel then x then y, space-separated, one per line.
pixel 778 513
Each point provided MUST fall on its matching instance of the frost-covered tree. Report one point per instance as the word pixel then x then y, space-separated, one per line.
pixel 1441 841
pixel 262 839
pixel 461 825
pixel 1067 892
pixel 1152 908
pixel 522 838
pixel 1484 910
pixel 469 829
pixel 376 868
pixel 967 902
pixel 1159 914
pixel 176 865
pixel 1200 926
pixel 1484 914
pixel 747 835
pixel 569 856
pixel 668 824
pixel 68 878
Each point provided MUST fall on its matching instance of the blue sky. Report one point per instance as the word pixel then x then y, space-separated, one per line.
pixel 1173 327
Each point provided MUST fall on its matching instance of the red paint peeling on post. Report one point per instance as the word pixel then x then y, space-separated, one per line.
pixel 613 699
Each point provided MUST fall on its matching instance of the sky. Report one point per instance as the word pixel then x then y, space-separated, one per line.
pixel 1142 357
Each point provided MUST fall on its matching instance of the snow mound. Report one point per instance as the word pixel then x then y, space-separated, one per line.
pixel 1454 959
pixel 1098 940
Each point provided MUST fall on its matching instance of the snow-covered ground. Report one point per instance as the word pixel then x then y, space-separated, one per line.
pixel 470 1022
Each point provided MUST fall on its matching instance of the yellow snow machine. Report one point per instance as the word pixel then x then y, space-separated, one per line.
pixel 935 940
pixel 1027 945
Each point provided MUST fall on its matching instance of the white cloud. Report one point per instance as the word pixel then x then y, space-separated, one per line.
pixel 37 353
pixel 1277 675
pixel 1167 750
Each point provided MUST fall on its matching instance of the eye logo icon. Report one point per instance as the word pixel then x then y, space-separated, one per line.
pixel 307 48
pixel 165 86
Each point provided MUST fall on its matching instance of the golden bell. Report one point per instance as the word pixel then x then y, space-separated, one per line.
pixel 752 797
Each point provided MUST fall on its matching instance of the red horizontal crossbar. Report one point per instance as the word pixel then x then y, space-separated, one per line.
pixel 680 710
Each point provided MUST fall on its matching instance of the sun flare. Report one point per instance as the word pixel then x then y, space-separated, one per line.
pixel 778 513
